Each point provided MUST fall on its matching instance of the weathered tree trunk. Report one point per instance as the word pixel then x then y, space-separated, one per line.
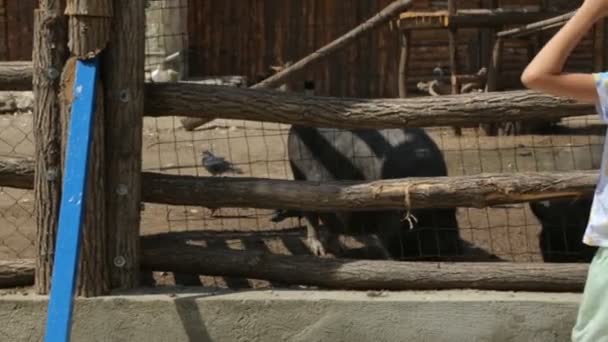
pixel 16 75
pixel 362 274
pixel 49 54
pixel 177 256
pixel 94 267
pixel 380 18
pixel 190 99
pixel 476 191
pixel 89 23
pixel 18 272
pixel 124 94
pixel 262 105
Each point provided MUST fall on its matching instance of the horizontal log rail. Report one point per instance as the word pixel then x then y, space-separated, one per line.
pixel 16 75
pixel 477 191
pixel 207 101
pixel 181 99
pixel 172 255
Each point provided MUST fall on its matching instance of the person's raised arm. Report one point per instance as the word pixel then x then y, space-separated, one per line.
pixel 544 73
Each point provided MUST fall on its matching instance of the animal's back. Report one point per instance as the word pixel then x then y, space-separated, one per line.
pixel 334 154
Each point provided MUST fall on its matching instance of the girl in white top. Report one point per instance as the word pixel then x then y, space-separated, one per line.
pixel 544 73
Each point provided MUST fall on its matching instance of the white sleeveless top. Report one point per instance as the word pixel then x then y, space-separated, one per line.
pixel 596 233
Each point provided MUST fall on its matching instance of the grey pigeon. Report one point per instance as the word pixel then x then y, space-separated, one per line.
pixel 438 72
pixel 218 165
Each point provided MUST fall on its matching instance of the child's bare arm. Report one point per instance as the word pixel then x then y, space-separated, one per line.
pixel 544 73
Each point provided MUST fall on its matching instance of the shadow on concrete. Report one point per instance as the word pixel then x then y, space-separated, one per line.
pixel 190 317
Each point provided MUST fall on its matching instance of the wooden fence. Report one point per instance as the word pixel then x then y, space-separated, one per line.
pixel 113 251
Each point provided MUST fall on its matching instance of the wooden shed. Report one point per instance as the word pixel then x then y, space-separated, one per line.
pixel 237 37
pixel 16 29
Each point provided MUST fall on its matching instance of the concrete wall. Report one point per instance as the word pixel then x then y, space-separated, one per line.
pixel 303 316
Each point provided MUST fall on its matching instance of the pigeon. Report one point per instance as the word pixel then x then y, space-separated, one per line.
pixel 218 165
pixel 164 74
pixel 438 72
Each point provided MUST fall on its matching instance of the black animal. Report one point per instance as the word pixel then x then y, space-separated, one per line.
pixel 218 165
pixel 563 225
pixel 324 154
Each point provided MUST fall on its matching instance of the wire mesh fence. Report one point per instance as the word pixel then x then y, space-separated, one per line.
pixel 257 149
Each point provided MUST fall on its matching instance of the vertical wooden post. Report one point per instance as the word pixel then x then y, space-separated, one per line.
pixel 89 23
pixel 404 62
pixel 491 129
pixel 494 68
pixel 486 37
pixel 599 46
pixel 49 54
pixel 124 86
pixel 454 57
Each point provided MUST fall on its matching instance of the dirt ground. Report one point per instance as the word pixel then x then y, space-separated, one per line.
pixel 510 232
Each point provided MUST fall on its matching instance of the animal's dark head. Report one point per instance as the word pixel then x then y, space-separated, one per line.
pixel 207 154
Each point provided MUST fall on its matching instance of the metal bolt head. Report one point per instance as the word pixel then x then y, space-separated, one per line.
pixel 124 95
pixel 78 90
pixel 51 175
pixel 120 261
pixel 122 190
pixel 52 73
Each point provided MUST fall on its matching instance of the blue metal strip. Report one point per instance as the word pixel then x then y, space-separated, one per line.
pixel 67 250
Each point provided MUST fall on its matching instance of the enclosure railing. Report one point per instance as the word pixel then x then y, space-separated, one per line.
pixel 126 99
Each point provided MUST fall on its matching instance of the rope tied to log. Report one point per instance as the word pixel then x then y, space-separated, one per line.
pixel 409 217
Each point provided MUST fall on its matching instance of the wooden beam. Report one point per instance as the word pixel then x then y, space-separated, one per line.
pixel 16 75
pixel 19 272
pixel 536 26
pixel 180 99
pixel 470 18
pixel 179 257
pixel 124 97
pixel 404 62
pixel 49 55
pixel 477 191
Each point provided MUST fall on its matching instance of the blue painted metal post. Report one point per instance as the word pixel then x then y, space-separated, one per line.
pixel 65 269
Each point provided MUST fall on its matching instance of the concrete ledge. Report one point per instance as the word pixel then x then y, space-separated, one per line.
pixel 302 316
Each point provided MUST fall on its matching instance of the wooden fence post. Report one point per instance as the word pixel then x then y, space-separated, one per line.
pixel 88 29
pixel 49 54
pixel 124 94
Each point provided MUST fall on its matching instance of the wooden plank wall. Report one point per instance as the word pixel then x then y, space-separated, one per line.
pixel 246 37
pixel 16 29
